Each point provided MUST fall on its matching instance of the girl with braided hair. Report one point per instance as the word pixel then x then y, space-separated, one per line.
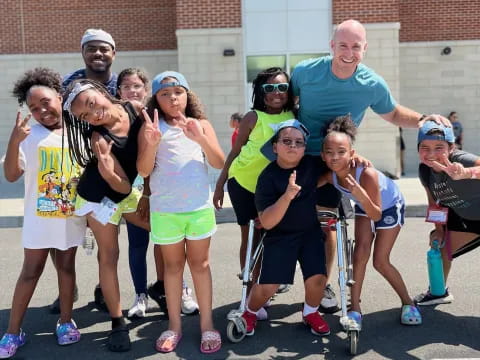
pixel 103 137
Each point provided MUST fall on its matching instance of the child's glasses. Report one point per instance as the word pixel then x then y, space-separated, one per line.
pixel 135 87
pixel 293 143
pixel 269 88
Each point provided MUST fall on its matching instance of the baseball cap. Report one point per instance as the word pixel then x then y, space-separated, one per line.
pixel 267 148
pixel 157 81
pixel 97 35
pixel 444 133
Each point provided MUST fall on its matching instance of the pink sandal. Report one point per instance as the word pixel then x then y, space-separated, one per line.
pixel 168 341
pixel 213 337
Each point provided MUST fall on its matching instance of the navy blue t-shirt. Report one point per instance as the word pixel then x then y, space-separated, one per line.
pixel 111 84
pixel 301 214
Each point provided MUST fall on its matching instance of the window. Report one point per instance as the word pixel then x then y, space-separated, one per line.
pixel 255 64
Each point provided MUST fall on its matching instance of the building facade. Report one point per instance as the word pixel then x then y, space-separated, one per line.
pixel 219 45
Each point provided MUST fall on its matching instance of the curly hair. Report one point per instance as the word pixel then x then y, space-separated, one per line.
pixel 39 76
pixel 141 73
pixel 258 93
pixel 194 107
pixel 345 125
pixel 79 132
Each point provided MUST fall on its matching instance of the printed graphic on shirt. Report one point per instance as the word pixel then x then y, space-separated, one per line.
pixel 448 197
pixel 57 183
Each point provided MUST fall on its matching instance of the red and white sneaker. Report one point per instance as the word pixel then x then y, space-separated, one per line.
pixel 317 325
pixel 251 320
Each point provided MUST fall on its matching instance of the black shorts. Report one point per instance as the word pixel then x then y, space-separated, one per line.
pixel 280 255
pixel 327 195
pixel 243 202
pixel 456 223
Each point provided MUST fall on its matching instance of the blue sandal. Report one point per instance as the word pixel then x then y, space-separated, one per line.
pixel 356 317
pixel 410 315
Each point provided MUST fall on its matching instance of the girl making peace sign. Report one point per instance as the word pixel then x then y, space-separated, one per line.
pixel 175 153
pixel 102 133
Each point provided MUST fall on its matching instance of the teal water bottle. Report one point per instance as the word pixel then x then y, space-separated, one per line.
pixel 435 270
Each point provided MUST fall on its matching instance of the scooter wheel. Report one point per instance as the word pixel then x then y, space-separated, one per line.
pixel 353 337
pixel 236 330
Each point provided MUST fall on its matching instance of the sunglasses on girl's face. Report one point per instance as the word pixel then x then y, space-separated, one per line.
pixel 269 88
pixel 292 143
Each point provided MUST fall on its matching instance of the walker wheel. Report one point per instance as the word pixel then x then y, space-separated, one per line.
pixel 236 330
pixel 353 337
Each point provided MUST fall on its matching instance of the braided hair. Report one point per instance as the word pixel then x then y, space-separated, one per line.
pixel 80 132
pixel 258 93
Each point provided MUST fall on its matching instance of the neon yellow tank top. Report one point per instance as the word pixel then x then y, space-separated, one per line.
pixel 248 165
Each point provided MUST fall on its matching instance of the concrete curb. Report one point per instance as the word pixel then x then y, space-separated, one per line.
pixel 226 215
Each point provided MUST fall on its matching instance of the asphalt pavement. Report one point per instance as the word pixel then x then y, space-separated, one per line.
pixel 448 332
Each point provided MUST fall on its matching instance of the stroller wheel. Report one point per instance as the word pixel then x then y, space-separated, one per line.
pixel 236 329
pixel 353 337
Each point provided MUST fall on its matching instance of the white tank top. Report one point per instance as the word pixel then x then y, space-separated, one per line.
pixel 179 181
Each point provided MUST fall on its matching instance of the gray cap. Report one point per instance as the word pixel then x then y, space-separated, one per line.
pixel 267 148
pixel 97 35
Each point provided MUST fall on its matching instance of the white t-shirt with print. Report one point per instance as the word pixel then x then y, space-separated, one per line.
pixel 50 191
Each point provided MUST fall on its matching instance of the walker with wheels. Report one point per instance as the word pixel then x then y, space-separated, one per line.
pixel 330 221
pixel 333 221
pixel 237 327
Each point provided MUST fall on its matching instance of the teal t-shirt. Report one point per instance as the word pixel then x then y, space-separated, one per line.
pixel 323 96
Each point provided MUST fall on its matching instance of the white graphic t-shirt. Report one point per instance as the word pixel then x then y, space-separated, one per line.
pixel 50 190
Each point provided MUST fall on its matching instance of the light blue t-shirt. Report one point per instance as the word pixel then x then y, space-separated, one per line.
pixel 389 191
pixel 323 96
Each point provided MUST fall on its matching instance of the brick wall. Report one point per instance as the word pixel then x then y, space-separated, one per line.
pixel 366 11
pixel 59 26
pixel 208 14
pixel 434 20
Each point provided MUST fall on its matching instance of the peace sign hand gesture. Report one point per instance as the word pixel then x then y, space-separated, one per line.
pixel 106 164
pixel 191 127
pixel 292 189
pixel 151 133
pixel 455 170
pixel 21 129
pixel 355 188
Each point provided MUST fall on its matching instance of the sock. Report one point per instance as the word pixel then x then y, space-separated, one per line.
pixel 118 321
pixel 251 311
pixel 307 309
pixel 158 286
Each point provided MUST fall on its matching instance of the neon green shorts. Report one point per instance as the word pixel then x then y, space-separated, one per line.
pixel 127 205
pixel 171 228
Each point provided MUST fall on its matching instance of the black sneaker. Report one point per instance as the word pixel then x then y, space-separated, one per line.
pixel 427 298
pixel 99 300
pixel 54 308
pixel 157 293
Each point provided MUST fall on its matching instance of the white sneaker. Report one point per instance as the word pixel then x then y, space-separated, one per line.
pixel 189 306
pixel 329 303
pixel 139 306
